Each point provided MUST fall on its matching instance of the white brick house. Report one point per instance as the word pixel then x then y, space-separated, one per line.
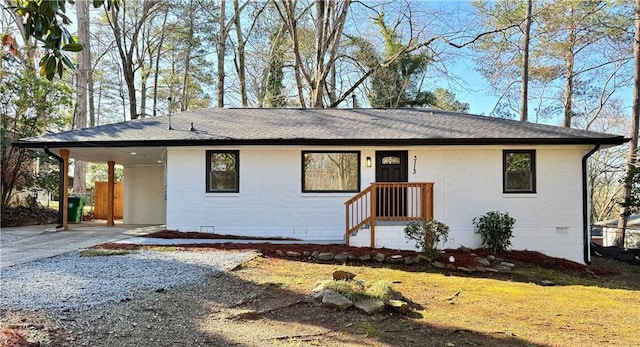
pixel 289 172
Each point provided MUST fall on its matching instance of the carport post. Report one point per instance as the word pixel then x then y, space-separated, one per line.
pixel 64 196
pixel 110 192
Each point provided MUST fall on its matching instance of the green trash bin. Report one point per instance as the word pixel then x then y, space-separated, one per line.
pixel 75 207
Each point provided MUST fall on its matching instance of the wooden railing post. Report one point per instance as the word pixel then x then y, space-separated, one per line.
pixel 374 216
pixel 348 226
pixel 64 194
pixel 110 192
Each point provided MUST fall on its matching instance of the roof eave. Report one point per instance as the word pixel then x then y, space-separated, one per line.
pixel 616 140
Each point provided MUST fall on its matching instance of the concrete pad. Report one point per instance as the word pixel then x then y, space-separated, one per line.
pixel 20 245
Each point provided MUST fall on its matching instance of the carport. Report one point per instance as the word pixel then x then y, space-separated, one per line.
pixel 144 167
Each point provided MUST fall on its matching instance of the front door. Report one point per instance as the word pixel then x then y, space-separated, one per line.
pixel 392 166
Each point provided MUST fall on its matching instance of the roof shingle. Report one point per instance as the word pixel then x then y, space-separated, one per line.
pixel 331 126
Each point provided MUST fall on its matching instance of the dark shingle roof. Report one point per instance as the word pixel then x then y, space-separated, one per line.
pixel 319 126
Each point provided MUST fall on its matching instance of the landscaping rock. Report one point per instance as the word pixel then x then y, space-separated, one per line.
pixel 293 254
pixel 340 275
pixel 398 306
pixel 395 259
pixel 408 260
pixel 422 259
pixel 451 267
pixel 465 269
pixel 365 257
pixel 370 306
pixel 319 295
pixel 335 300
pixel 320 286
pixel 306 254
pixel 279 253
pixel 341 257
pixel 326 256
pixel 439 265
pixel 547 283
pixel 509 265
pixel 483 261
pixel 379 257
pixel 315 254
pixel 491 258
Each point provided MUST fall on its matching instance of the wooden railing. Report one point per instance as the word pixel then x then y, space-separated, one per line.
pixel 390 201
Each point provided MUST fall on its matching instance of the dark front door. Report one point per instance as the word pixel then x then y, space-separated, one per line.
pixel 392 166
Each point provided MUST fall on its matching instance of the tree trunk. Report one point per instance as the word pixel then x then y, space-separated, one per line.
pixel 127 44
pixel 524 92
pixel 157 68
pixel 184 99
pixel 330 19
pixel 82 89
pixel 242 75
pixel 288 15
pixel 222 46
pixel 633 144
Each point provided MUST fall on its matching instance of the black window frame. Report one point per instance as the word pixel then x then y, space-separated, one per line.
pixel 359 166
pixel 532 154
pixel 207 179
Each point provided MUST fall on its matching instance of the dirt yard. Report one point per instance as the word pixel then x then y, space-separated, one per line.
pixel 269 301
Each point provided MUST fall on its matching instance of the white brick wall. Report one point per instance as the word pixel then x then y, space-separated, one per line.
pixel 468 183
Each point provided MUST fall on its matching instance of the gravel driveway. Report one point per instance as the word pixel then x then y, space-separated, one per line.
pixel 71 281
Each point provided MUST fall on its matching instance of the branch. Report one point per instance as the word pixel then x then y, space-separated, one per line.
pixel 408 49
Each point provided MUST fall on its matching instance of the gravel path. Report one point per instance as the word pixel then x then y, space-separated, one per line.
pixel 73 282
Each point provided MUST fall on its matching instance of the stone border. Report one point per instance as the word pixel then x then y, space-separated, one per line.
pixel 489 263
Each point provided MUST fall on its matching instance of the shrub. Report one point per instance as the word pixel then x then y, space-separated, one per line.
pixel 495 229
pixel 427 235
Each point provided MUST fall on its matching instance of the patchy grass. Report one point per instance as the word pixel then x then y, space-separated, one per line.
pixel 103 252
pixel 359 290
pixel 163 248
pixel 578 312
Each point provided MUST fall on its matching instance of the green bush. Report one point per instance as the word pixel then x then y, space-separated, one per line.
pixel 495 229
pixel 427 235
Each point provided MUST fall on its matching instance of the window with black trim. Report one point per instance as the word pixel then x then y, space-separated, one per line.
pixel 330 171
pixel 519 171
pixel 223 172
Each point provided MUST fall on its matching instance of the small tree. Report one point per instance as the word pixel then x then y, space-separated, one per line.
pixel 496 230
pixel 427 235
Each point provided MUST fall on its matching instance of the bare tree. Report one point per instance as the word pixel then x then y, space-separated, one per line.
pixel 126 36
pixel 632 157
pixel 526 40
pixel 222 47
pixel 82 90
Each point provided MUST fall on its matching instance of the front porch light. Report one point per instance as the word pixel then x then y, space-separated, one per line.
pixel 368 161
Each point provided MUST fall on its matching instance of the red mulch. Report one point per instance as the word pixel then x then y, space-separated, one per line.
pixel 12 338
pixel 463 256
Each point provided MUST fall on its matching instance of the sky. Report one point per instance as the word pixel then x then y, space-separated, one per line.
pixel 469 86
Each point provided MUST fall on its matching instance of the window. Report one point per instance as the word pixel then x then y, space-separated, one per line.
pixel 222 172
pixel 519 171
pixel 330 171
pixel 391 160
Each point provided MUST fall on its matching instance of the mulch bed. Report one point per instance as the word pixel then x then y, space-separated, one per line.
pixel 463 256
pixel 172 234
